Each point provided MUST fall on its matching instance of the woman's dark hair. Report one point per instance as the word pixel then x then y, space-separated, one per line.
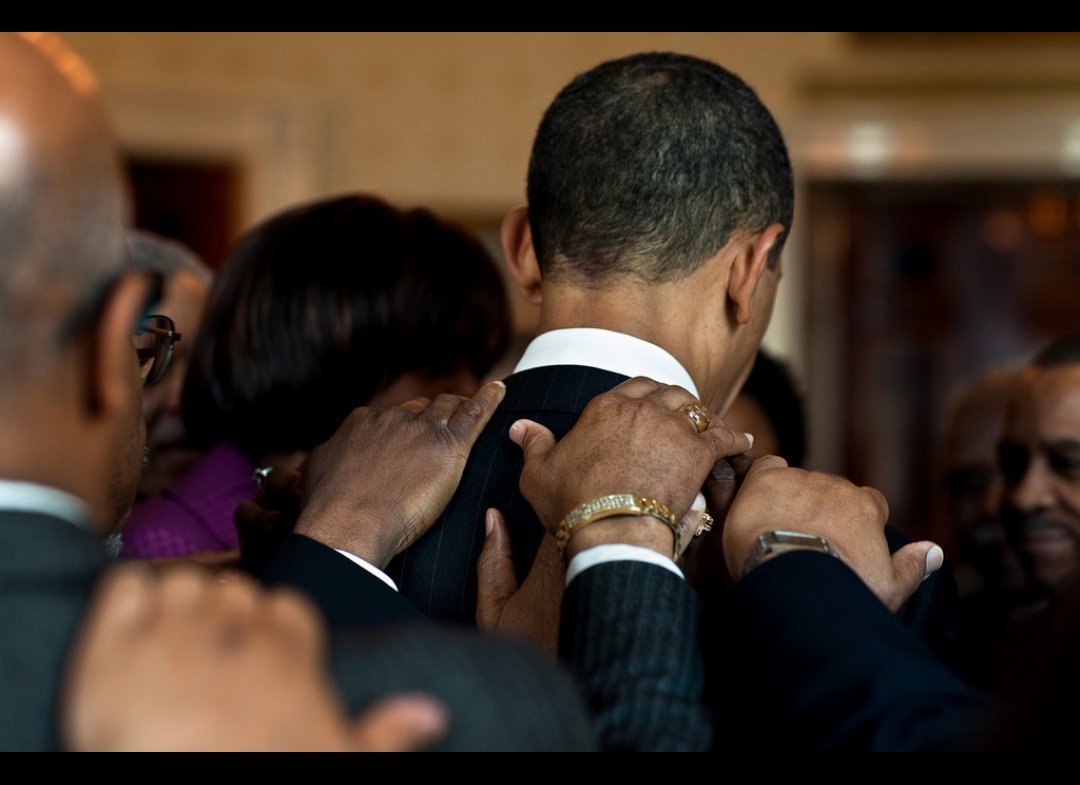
pixel 772 386
pixel 321 306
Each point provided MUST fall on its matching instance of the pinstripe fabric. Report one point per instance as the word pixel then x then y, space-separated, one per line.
pixel 438 573
pixel 631 632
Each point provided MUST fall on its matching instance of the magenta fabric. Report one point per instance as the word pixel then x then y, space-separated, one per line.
pixel 195 513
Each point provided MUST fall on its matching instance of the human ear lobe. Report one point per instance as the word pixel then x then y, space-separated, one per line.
pixel 114 367
pixel 516 235
pixel 750 262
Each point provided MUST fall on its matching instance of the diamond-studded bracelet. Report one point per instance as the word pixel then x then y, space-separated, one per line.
pixel 612 505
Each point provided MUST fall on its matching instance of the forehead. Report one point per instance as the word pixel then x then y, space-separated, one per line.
pixel 1047 404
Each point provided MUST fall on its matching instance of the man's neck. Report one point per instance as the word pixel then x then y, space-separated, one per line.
pixel 666 315
pixel 42 445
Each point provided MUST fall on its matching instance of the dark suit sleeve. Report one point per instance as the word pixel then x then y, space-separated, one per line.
pixel 347 594
pixel 501 695
pixel 630 633
pixel 806 657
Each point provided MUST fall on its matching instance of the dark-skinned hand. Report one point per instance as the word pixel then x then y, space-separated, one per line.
pixel 633 439
pixel 178 661
pixel 387 474
pixel 774 496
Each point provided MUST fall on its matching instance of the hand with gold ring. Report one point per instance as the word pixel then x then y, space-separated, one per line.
pixel 632 439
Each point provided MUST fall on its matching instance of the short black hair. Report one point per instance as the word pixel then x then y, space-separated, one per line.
pixel 648 164
pixel 322 306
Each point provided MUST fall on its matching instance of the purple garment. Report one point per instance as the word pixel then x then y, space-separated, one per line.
pixel 195 513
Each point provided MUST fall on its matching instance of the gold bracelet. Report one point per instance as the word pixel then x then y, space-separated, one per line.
pixel 611 506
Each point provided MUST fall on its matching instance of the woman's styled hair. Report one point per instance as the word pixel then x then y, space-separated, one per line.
pixel 320 307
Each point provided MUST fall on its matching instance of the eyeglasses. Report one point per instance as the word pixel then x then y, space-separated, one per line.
pixel 155 336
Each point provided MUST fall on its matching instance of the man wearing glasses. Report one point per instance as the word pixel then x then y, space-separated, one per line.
pixel 80 338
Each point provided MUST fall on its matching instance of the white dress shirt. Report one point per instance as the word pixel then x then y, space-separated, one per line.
pixel 21 496
pixel 608 351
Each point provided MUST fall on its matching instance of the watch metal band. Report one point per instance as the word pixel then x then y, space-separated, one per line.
pixel 777 542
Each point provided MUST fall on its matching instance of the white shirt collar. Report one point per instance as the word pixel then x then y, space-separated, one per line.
pixel 608 351
pixel 20 496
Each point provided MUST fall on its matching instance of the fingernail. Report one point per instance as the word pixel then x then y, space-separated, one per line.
pixel 517 431
pixel 935 557
pixel 699 503
pixel 750 436
pixel 489 522
pixel 500 383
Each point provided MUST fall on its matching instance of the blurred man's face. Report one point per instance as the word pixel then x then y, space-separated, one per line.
pixel 1040 462
pixel 169 454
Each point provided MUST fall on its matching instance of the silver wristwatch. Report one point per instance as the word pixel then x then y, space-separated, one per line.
pixel 777 542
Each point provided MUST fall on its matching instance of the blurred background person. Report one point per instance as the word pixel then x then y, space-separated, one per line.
pixel 320 309
pixel 973 484
pixel 770 406
pixel 187 279
pixel 1039 456
pixel 986 570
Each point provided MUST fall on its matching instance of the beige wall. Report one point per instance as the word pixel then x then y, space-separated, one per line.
pixel 445 119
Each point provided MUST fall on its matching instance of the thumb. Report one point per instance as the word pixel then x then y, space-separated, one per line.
pixel 495 575
pixel 913 564
pixel 401 723
pixel 542 592
pixel 765 463
pixel 474 413
pixel 534 439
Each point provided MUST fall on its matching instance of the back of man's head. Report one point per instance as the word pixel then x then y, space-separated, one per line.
pixel 61 202
pixel 647 166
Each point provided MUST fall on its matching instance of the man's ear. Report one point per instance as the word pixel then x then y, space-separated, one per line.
pixel 114 367
pixel 749 264
pixel 517 245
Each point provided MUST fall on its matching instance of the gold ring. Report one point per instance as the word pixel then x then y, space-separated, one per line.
pixel 698 415
pixel 706 524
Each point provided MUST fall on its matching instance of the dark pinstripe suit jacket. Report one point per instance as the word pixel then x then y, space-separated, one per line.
pixel 438 573
pixel 630 633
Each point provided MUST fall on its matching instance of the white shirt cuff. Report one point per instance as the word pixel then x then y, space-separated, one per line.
pixel 617 552
pixel 382 576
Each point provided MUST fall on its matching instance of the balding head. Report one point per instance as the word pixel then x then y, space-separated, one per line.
pixel 61 200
